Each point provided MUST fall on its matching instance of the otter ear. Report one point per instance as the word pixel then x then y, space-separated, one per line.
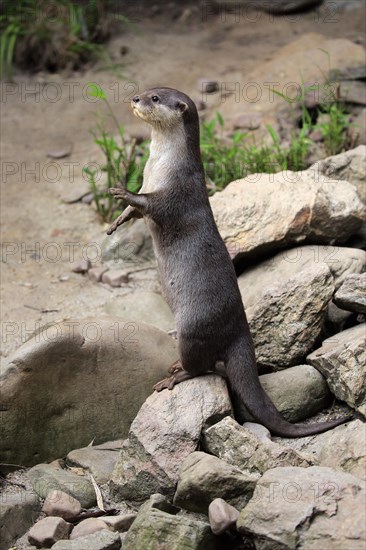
pixel 182 106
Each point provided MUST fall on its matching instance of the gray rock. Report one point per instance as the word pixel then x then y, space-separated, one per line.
pixel 96 273
pixel 18 512
pixel 88 527
pixel 304 207
pixel 352 91
pixel 222 516
pixel 343 448
pixel 98 460
pixel 298 392
pixel 78 381
pixel 258 430
pixel 242 448
pixel 147 307
pixel 115 277
pixel 248 121
pixel 158 526
pixel 341 261
pixel 82 266
pixel 342 360
pixel 163 433
pixel 103 540
pixel 350 166
pixel 130 245
pixel 352 294
pixel 58 503
pixel 357 133
pixel 46 478
pixel 207 86
pixel 288 320
pixel 120 523
pixel 47 531
pixel 306 508
pixel 204 478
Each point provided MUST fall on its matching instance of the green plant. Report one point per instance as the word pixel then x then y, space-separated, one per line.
pixel 124 162
pixel 52 34
pixel 333 121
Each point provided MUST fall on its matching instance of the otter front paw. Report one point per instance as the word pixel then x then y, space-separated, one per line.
pixel 171 381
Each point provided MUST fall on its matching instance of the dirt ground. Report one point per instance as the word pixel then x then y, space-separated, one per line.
pixel 46 112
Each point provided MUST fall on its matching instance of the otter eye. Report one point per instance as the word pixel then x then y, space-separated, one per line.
pixel 155 98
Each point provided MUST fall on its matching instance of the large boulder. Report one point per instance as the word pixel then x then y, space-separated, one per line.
pixel 306 508
pixel 342 360
pixel 263 213
pixel 164 432
pixel 77 381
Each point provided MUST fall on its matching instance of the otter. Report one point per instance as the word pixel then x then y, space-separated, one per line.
pixel 197 275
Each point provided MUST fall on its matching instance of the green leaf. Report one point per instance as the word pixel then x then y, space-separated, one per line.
pixel 94 90
pixel 220 119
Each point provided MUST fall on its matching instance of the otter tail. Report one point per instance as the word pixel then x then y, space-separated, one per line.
pixel 245 387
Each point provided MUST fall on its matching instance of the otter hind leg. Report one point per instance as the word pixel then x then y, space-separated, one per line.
pixel 179 376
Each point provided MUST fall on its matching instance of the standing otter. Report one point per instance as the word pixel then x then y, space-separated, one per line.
pixel 197 274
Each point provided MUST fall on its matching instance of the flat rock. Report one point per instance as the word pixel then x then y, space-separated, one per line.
pixel 88 527
pixel 98 460
pixel 288 320
pixel 266 212
pixel 342 360
pixel 58 503
pixel 307 509
pixel 77 381
pixel 343 448
pixel 204 477
pixel 47 531
pixel 352 294
pixel 144 306
pixel 350 166
pixel 46 478
pixel 242 448
pixel 115 277
pixel 103 540
pixel 156 527
pixel 120 523
pixel 163 433
pixel 18 512
pixel 298 392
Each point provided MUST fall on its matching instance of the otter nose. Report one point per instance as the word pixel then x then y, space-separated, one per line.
pixel 136 99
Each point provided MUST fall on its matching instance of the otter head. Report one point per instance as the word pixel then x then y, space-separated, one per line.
pixel 165 108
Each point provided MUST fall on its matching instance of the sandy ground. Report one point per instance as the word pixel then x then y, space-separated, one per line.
pixel 41 234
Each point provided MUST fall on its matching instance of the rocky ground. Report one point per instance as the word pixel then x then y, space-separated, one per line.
pixel 91 458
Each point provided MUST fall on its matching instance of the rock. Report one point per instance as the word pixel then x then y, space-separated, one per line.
pixel 288 320
pixel 18 512
pixel 107 366
pixel 342 359
pixel 115 277
pixel 82 266
pixel 304 207
pixel 350 166
pixel 298 392
pixel 147 307
pixel 357 133
pixel 88 527
pixel 242 448
pixel 58 503
pixel 352 294
pixel 204 478
pixel 341 261
pixel 46 479
pixel 120 523
pixel 47 531
pixel 156 527
pixel 258 430
pixel 102 540
pixel 98 460
pixel 343 448
pixel 96 273
pixel 130 245
pixel 222 516
pixel 352 91
pixel 207 86
pixel 247 121
pixel 282 7
pixel 163 433
pixel 307 508
pixel 75 192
